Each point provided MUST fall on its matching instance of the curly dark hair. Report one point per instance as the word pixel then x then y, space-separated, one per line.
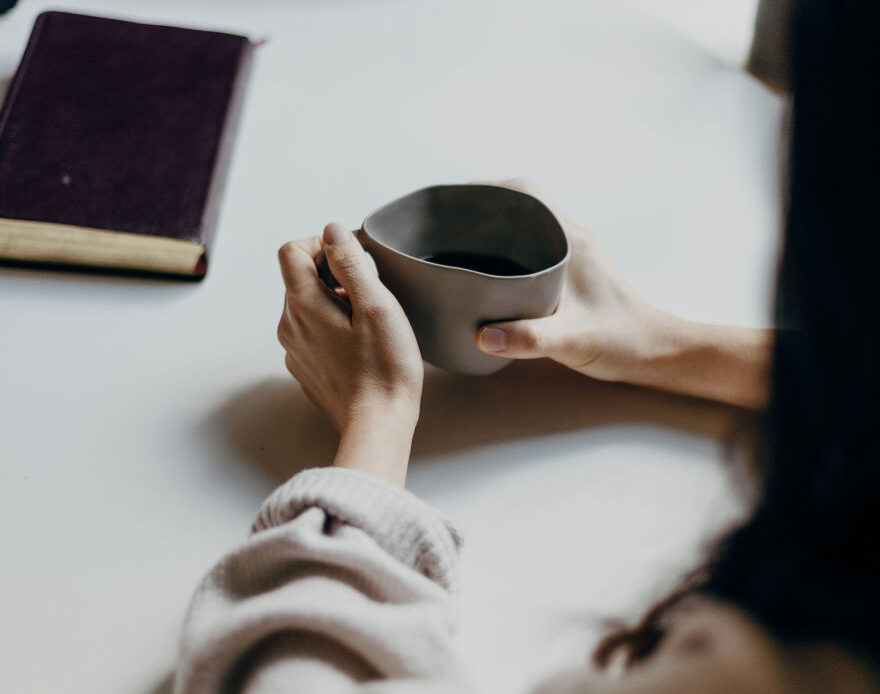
pixel 807 562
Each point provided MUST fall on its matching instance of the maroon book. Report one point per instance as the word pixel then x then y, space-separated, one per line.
pixel 115 139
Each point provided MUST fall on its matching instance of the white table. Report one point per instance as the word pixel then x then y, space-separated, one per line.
pixel 143 422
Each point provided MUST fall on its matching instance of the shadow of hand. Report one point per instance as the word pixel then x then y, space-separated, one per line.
pixel 273 424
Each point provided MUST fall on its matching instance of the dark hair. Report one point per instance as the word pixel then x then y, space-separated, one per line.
pixel 807 563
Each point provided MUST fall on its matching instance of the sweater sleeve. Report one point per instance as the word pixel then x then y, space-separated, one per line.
pixel 345 584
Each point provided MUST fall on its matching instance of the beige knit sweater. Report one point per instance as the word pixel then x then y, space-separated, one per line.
pixel 345 584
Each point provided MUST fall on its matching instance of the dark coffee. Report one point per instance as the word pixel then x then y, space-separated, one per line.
pixel 489 264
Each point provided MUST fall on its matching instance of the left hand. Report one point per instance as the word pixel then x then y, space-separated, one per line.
pixel 605 330
pixel 602 328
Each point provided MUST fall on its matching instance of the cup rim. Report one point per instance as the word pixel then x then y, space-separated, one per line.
pixel 547 270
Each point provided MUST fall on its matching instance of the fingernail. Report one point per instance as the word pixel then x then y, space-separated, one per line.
pixel 336 233
pixel 493 339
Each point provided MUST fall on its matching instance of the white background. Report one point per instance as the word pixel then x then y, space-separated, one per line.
pixel 143 422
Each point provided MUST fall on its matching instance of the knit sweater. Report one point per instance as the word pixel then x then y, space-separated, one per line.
pixel 345 584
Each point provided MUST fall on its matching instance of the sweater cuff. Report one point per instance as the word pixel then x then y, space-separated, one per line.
pixel 400 523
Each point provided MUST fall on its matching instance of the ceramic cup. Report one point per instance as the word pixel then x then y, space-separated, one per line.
pixel 447 304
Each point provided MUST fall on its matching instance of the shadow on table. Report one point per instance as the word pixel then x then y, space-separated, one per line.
pixel 273 425
pixel 43 283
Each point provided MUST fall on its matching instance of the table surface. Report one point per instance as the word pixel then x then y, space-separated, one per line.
pixel 143 422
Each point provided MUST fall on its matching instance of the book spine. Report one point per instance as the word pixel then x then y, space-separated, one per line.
pixel 17 79
pixel 219 176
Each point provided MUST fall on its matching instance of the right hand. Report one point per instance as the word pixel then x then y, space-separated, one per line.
pixel 602 327
pixel 353 350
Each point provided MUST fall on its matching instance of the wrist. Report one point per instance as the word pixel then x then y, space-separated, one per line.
pixel 377 439
pixel 655 338
pixel 394 413
pixel 725 363
pixel 667 339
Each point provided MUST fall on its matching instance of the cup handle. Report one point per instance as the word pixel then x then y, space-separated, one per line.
pixel 324 267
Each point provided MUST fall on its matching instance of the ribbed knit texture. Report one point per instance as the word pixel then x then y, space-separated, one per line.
pixel 400 523
pixel 346 584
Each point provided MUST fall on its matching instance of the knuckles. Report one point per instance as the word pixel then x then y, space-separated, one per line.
pixel 286 261
pixel 285 253
pixel 291 319
pixel 373 309
pixel 283 332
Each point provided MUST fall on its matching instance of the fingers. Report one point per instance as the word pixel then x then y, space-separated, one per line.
pixel 297 264
pixel 351 266
pixel 524 339
pixel 311 245
pixel 307 302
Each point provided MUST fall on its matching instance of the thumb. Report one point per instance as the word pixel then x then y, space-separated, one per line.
pixel 353 269
pixel 522 339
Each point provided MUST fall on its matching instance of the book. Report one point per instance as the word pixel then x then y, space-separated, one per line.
pixel 115 141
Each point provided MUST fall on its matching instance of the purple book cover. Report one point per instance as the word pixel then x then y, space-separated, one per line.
pixel 120 126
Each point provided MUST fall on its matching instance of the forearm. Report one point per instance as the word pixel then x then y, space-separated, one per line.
pixel 719 362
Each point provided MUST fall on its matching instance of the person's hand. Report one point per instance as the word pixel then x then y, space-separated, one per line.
pixel 602 327
pixel 352 351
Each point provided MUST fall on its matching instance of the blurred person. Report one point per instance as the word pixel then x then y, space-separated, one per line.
pixel 770 53
pixel 348 582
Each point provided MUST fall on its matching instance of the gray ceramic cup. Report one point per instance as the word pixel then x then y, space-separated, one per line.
pixel 446 304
